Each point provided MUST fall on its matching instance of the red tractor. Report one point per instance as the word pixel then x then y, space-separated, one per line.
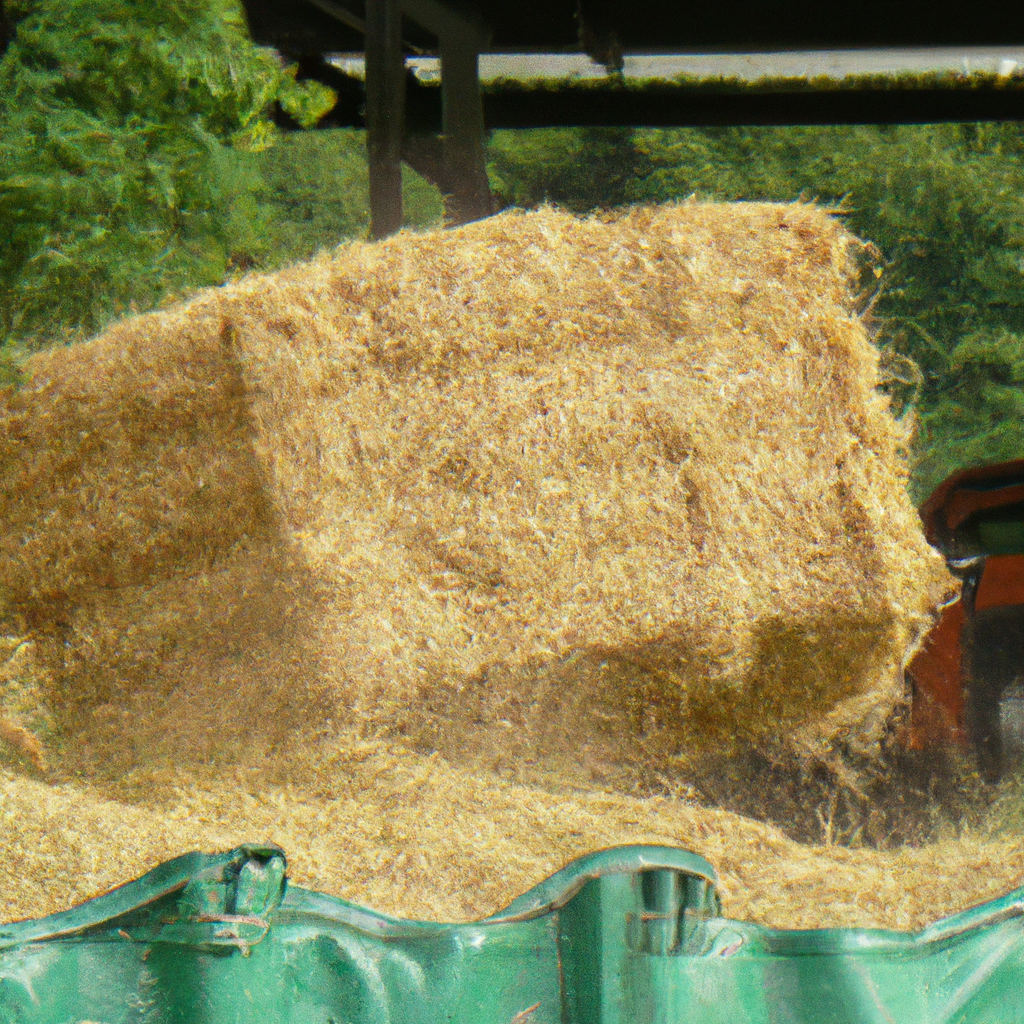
pixel 968 677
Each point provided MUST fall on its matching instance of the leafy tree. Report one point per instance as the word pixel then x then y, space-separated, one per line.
pixel 118 123
pixel 314 191
pixel 577 168
pixel 978 417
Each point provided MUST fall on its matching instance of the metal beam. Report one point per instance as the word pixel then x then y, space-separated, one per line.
pixel 447 23
pixel 463 173
pixel 468 193
pixel 385 114
pixel 435 17
pixel 340 13
pixel 667 104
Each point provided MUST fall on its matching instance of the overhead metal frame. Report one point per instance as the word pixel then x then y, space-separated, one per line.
pixel 455 160
pixel 440 132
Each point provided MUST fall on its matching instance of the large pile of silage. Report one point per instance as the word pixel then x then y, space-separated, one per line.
pixel 415 837
pixel 540 487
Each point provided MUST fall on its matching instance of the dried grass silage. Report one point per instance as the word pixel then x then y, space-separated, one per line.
pixel 538 487
pixel 410 836
pixel 526 488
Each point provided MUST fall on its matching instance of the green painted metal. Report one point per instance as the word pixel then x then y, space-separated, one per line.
pixel 632 935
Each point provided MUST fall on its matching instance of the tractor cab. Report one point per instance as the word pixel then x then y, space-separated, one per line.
pixel 967 679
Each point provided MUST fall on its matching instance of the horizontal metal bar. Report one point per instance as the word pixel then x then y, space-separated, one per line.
pixel 747 67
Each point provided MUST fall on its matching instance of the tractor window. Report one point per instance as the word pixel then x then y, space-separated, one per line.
pixel 1002 534
pixel 993 532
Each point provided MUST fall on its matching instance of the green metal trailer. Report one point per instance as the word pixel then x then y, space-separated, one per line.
pixel 632 935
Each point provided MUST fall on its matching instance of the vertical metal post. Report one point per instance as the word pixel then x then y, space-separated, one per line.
pixel 469 195
pixel 385 114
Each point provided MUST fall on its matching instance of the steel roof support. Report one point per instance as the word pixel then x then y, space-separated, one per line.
pixel 462 174
pixel 385 114
pixel 467 192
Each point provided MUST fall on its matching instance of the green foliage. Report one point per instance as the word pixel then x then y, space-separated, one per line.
pixel 138 163
pixel 578 168
pixel 944 204
pixel 118 123
pixel 314 191
pixel 978 416
pixel 306 101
